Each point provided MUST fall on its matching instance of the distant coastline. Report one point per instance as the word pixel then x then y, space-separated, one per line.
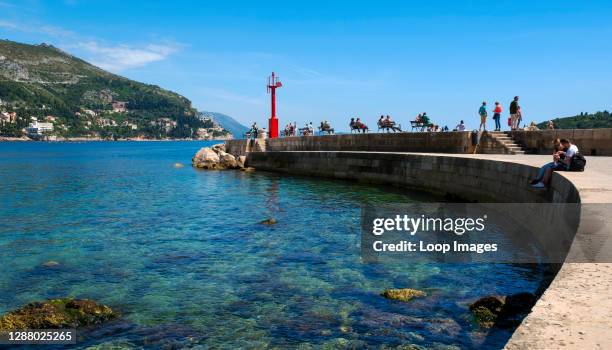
pixel 90 139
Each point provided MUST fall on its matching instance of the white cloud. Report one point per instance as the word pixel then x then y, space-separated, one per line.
pixel 8 25
pixel 117 58
pixel 113 57
pixel 56 32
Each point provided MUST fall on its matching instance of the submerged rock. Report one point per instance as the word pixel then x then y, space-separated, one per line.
pixel 502 311
pixel 51 263
pixel 404 294
pixel 270 221
pixel 57 313
pixel 248 169
pixel 520 303
pixel 483 316
pixel 178 165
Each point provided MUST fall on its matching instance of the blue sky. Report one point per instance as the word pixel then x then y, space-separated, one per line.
pixel 341 59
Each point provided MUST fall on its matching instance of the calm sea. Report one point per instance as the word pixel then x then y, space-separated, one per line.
pixel 181 254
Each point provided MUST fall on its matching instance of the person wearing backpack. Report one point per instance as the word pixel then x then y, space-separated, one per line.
pixel 567 159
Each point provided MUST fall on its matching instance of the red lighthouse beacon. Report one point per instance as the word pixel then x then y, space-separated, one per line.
pixel 273 83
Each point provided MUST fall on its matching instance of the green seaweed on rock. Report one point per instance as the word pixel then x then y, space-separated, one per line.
pixel 57 313
pixel 404 294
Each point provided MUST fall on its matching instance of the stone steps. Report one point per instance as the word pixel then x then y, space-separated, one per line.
pixel 505 139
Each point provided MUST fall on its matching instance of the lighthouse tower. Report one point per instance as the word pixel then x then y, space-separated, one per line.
pixel 273 83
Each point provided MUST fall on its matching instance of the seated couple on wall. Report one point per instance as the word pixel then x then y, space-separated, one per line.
pixel 566 157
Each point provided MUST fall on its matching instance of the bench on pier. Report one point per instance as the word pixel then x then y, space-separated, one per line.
pixel 328 130
pixel 418 125
pixel 392 127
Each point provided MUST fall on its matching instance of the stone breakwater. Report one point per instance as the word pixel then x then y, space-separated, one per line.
pixel 216 158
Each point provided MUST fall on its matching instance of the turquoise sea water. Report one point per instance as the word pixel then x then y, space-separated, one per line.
pixel 181 254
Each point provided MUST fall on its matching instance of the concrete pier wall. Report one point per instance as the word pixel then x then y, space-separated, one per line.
pixel 444 142
pixel 242 147
pixel 589 141
pixel 469 178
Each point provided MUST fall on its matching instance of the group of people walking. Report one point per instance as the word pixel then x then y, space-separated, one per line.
pixel 513 121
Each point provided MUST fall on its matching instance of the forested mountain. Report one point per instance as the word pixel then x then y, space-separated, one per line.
pixel 80 99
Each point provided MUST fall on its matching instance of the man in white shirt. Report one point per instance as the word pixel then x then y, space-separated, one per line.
pixel 561 162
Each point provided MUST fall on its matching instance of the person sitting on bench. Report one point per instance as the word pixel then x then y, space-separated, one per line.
pixel 360 126
pixel 381 122
pixel 325 127
pixel 425 121
pixel 352 125
pixel 389 123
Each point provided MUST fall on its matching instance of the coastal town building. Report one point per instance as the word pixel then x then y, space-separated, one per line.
pixel 119 106
pixel 202 133
pixel 106 122
pixel 130 125
pixel 5 118
pixel 37 128
pixel 90 113
pixel 166 124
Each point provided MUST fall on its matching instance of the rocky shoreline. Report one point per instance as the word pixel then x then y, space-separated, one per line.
pixel 216 158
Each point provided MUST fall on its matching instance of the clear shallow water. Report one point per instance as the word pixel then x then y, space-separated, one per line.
pixel 181 254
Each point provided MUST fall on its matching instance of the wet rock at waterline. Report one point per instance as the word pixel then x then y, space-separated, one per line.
pixel 270 221
pixel 51 264
pixel 228 161
pixel 57 313
pixel 404 294
pixel 216 158
pixel 206 158
pixel 241 161
pixel 502 311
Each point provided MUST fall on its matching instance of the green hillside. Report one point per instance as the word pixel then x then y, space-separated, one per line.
pixel 41 80
pixel 582 121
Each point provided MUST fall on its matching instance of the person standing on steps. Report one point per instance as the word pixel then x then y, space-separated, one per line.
pixel 515 113
pixel 497 115
pixel 482 111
